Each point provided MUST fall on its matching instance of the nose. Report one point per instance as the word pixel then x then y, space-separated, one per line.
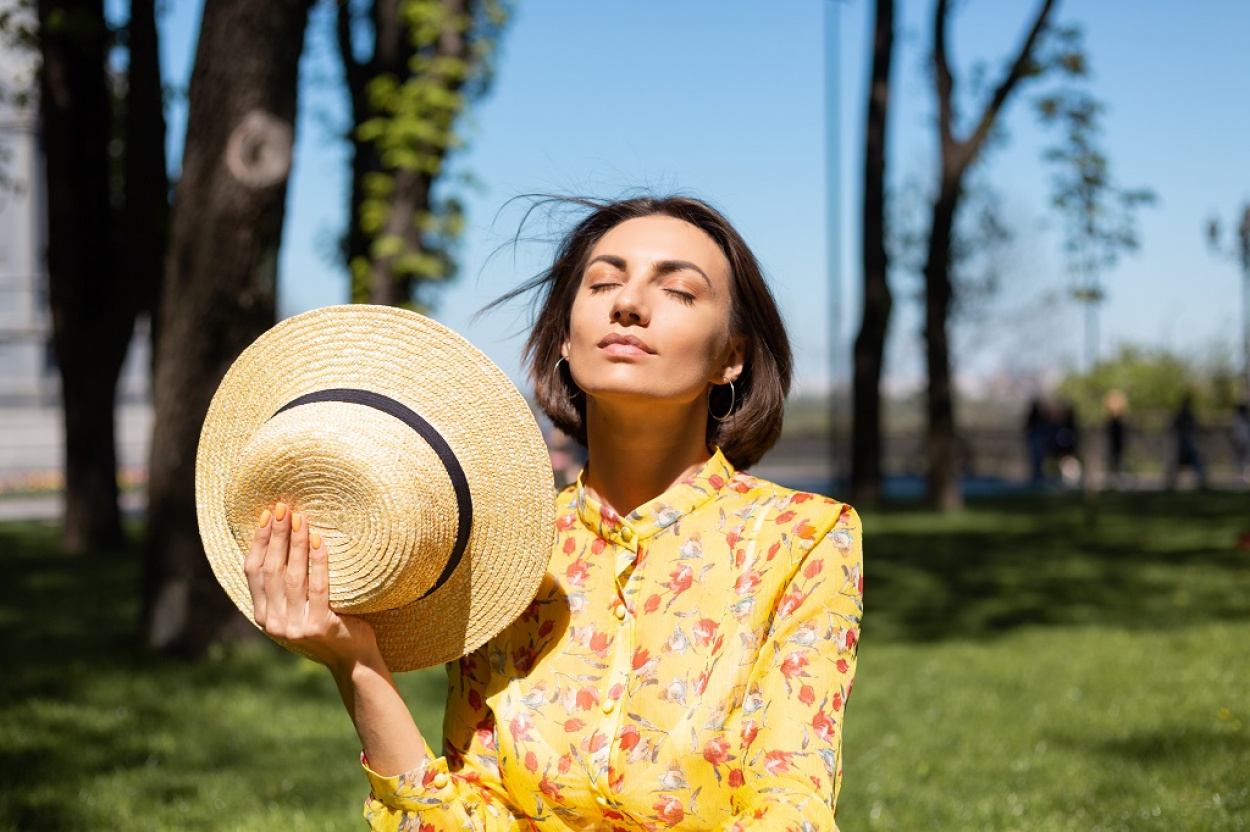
pixel 629 309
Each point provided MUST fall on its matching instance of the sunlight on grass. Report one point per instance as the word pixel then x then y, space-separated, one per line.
pixel 1025 665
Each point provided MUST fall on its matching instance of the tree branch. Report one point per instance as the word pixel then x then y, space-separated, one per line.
pixel 942 75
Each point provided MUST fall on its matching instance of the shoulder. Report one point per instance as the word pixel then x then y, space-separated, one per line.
pixel 809 515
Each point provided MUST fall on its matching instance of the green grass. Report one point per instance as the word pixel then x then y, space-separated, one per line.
pixel 1020 668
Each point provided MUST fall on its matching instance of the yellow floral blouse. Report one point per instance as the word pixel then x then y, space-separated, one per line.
pixel 683 667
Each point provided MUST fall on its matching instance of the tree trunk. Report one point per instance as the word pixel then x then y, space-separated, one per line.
pixel 145 217
pixel 220 286
pixel 875 321
pixel 941 444
pixel 92 305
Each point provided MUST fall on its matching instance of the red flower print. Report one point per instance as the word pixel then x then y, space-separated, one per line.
pixel 587 698
pixel 669 810
pixel 653 604
pixel 616 691
pixel 747 582
pixel 824 726
pixel 427 827
pixel 716 750
pixel 777 761
pixel 570 545
pixel 610 516
pixel 521 726
pixel 485 731
pixel 599 643
pixel 615 779
pixel 700 683
pixel 566 762
pixel 750 729
pixel 731 539
pixel 843 667
pixel 640 657
pixel 805 530
pixel 594 742
pixel 719 641
pixel 790 602
pixel 735 779
pixel 523 658
pixel 793 665
pixel 739 486
pixel 475 700
pixel 551 790
pixel 545 628
pixel 566 521
pixel 577 572
pixel 530 614
pixel 716 481
pixel 740 557
pixel 629 737
pixel 806 695
pixel 598 545
pixel 773 550
pixel 837 701
pixel 785 517
pixel 681 579
pixel 531 762
pixel 801 497
pixel 573 725
pixel 703 631
pixel 813 569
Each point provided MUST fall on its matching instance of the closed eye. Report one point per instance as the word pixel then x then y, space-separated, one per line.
pixel 595 288
pixel 684 297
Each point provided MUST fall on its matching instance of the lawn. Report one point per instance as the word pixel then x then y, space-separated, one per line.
pixel 1025 664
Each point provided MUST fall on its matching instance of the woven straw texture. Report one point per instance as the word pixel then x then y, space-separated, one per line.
pixel 371 486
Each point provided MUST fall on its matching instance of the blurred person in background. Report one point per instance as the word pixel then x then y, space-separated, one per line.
pixel 1185 436
pixel 1066 444
pixel 1241 441
pixel 1037 439
pixel 1116 404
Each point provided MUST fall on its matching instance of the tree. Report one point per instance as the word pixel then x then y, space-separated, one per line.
pixel 877 300
pixel 429 60
pixel 956 156
pixel 220 285
pixel 1099 216
pixel 1239 250
pixel 103 261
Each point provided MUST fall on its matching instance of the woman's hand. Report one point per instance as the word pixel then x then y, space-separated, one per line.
pixel 288 574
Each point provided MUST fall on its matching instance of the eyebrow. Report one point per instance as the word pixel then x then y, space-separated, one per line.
pixel 660 269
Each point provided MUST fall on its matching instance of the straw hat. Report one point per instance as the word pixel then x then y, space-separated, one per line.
pixel 409 452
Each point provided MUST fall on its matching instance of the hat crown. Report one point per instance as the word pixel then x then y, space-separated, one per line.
pixel 351 469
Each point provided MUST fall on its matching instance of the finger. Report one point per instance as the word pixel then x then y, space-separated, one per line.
pixel 297 567
pixel 318 577
pixel 275 569
pixel 252 567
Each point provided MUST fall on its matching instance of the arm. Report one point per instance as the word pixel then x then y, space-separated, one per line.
pixel 792 748
pixel 288 574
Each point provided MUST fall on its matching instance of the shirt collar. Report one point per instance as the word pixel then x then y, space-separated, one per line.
pixel 659 513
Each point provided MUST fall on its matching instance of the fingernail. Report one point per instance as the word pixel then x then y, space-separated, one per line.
pixel 314 540
pixel 265 517
pixel 279 511
pixel 297 520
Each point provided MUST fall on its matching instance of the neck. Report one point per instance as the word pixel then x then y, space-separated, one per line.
pixel 638 453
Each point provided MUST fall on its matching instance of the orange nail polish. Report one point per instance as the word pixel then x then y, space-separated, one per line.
pixel 265 517
pixel 314 540
pixel 279 511
pixel 297 521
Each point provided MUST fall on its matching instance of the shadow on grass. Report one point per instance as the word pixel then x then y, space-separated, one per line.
pixel 1140 560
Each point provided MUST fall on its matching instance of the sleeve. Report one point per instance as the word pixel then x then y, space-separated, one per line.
pixel 791 723
pixel 462 790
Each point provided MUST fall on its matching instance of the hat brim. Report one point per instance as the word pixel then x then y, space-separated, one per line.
pixel 456 389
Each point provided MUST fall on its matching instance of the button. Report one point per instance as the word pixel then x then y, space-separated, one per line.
pixel 609 706
pixel 627 534
pixel 441 780
pixel 620 612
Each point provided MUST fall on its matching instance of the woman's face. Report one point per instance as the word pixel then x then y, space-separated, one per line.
pixel 650 320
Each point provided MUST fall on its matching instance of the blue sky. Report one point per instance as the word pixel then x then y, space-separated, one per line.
pixel 727 100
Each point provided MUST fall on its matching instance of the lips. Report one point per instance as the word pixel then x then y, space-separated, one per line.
pixel 618 344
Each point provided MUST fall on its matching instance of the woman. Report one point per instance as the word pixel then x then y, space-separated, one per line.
pixel 687 661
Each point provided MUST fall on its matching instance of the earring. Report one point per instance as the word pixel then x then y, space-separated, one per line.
pixel 733 399
pixel 577 391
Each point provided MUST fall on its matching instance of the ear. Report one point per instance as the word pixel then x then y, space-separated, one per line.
pixel 735 357
pixel 564 349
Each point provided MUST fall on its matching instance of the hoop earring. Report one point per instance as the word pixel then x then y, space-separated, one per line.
pixel 576 390
pixel 733 399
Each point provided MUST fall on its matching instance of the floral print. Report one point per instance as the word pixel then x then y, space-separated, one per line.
pixel 683 667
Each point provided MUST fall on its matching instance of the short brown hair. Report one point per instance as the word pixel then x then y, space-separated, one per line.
pixel 759 392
